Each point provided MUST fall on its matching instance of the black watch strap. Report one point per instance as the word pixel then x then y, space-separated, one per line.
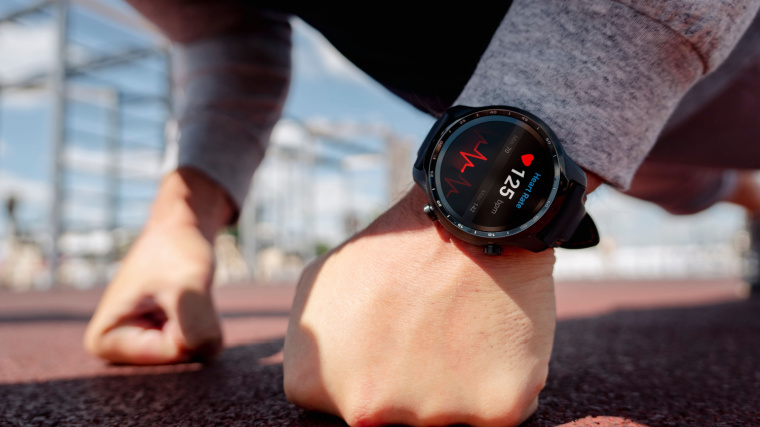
pixel 572 228
pixel 585 236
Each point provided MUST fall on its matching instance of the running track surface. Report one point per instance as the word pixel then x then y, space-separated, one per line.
pixel 626 354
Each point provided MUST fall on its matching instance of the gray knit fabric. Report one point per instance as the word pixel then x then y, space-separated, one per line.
pixel 233 91
pixel 605 75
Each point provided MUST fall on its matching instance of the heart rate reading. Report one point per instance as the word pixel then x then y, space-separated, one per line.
pixel 511 182
pixel 486 169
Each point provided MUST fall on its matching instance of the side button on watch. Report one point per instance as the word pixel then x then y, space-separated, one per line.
pixel 497 176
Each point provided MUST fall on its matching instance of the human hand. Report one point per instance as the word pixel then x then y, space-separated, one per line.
pixel 746 192
pixel 405 324
pixel 158 309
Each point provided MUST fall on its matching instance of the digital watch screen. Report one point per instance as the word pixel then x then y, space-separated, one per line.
pixel 494 173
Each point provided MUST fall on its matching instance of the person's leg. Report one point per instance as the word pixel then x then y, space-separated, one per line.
pixel 710 148
pixel 686 189
pixel 747 194
pixel 682 189
pixel 716 124
pixel 423 55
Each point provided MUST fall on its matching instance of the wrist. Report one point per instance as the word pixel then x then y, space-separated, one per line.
pixel 592 181
pixel 409 216
pixel 188 198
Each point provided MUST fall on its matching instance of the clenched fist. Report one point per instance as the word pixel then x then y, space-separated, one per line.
pixel 158 309
pixel 405 324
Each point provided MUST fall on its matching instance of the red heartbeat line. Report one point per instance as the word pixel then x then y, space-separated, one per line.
pixel 454 189
pixel 477 154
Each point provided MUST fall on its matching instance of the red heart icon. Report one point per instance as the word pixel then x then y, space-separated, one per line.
pixel 527 158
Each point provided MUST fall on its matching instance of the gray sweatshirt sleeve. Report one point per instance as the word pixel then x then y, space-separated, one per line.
pixel 605 74
pixel 233 88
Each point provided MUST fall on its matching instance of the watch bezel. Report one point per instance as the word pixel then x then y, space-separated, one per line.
pixel 491 234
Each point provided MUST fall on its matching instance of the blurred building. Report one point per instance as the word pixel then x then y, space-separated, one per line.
pixel 643 242
pixel 320 183
pixel 97 77
pixel 86 133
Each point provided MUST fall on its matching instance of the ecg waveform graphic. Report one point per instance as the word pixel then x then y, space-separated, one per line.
pixel 454 188
pixel 475 154
pixel 453 183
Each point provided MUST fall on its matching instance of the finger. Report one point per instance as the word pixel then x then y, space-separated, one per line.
pixel 167 328
pixel 119 309
pixel 140 345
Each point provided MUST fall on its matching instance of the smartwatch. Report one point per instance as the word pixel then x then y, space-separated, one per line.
pixel 498 176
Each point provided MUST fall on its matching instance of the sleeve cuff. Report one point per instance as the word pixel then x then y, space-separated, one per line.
pixel 223 152
pixel 233 89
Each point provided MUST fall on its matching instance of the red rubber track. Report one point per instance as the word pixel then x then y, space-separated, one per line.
pixel 626 354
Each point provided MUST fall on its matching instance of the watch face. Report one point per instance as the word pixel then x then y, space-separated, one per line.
pixel 495 172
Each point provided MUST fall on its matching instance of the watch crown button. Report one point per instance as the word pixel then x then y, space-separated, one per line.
pixel 428 209
pixel 493 250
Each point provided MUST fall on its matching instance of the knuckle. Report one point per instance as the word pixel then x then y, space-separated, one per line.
pixel 92 341
pixel 505 416
pixel 367 417
pixel 388 411
pixel 363 407
pixel 91 345
pixel 300 387
pixel 512 407
pixel 368 406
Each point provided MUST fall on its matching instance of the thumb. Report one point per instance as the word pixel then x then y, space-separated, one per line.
pixel 168 328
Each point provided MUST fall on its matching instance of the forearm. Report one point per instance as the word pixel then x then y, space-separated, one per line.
pixel 605 75
pixel 188 197
pixel 234 88
pixel 232 71
pixel 593 182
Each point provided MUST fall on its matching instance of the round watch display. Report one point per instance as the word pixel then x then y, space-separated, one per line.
pixel 494 172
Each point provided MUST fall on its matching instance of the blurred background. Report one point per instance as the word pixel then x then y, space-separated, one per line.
pixel 86 133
